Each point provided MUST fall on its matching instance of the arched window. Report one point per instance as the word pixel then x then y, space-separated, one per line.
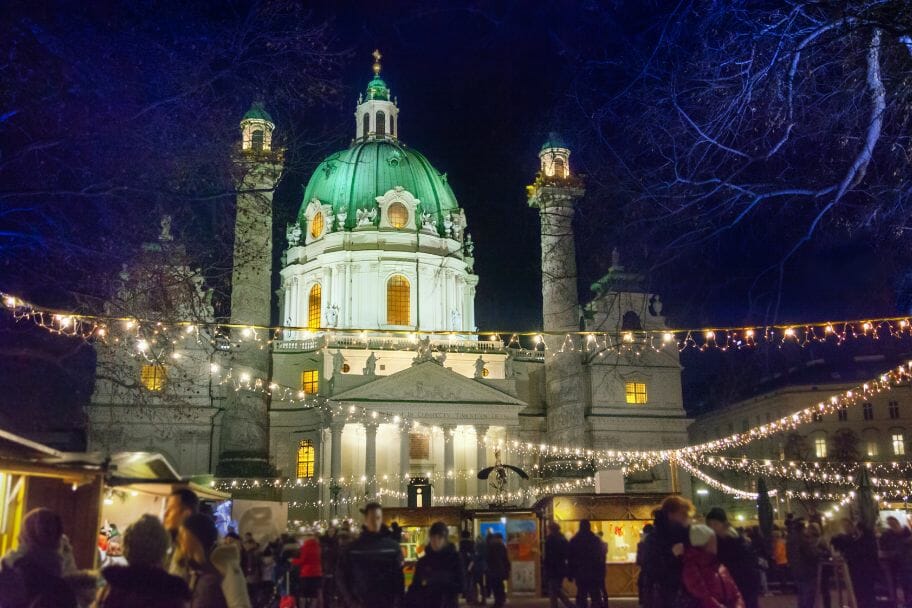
pixel 381 123
pixel 631 321
pixel 398 300
pixel 256 140
pixel 306 459
pixel 397 215
pixel 366 124
pixel 316 225
pixel 559 170
pixel 314 306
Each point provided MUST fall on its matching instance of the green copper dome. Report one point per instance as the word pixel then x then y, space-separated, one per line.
pixel 257 111
pixel 377 89
pixel 352 179
pixel 554 141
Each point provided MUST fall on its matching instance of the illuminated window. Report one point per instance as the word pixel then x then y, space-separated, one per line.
pixel 899 444
pixel 153 377
pixel 871 449
pixel 398 300
pixel 381 123
pixel 868 411
pixel 820 447
pixel 397 215
pixel 306 456
pixel 367 124
pixel 419 446
pixel 636 392
pixel 894 410
pixel 256 140
pixel 310 381
pixel 316 225
pixel 314 306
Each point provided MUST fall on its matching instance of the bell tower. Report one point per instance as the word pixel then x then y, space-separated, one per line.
pixel 244 439
pixel 377 114
pixel 554 193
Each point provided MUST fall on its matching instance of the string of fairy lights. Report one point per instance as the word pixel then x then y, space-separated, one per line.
pixel 154 341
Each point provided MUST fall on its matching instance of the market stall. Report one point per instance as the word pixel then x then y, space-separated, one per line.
pixel 415 523
pixel 521 531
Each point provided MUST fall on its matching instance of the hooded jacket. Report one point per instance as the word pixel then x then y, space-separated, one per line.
pixel 142 587
pixel 227 560
pixel 708 581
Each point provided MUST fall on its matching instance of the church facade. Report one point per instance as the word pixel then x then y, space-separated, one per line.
pixel 377 295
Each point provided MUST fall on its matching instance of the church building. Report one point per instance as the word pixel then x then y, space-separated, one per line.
pixel 377 300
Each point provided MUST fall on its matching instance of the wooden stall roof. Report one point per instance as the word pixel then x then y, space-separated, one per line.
pixel 574 507
pixel 423 516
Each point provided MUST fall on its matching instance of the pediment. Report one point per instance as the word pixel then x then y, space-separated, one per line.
pixel 430 383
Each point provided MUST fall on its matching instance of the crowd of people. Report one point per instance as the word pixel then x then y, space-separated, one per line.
pixel 182 562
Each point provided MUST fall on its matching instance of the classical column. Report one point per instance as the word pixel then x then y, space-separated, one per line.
pixel 404 462
pixel 370 458
pixel 481 457
pixel 449 460
pixel 509 456
pixel 335 457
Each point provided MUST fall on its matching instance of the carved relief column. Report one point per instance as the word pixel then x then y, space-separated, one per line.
pixel 370 458
pixel 481 457
pixel 404 462
pixel 449 460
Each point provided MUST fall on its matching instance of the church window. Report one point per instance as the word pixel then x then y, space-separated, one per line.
pixel 310 381
pixel 398 300
pixel 381 123
pixel 419 446
pixel 153 377
pixel 256 140
pixel 367 123
pixel 316 225
pixel 631 321
pixel 397 215
pixel 636 392
pixel 314 306
pixel 559 170
pixel 306 459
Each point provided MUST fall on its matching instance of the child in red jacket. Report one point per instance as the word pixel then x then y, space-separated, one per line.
pixel 310 568
pixel 704 577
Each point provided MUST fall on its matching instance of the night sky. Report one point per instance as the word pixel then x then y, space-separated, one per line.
pixel 110 89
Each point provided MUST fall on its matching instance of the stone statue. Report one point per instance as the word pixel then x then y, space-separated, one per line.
pixel 455 320
pixel 427 222
pixel 456 227
pixel 441 358
pixel 479 368
pixel 332 316
pixel 370 366
pixel 366 217
pixel 657 305
pixel 338 361
pixel 340 219
pixel 448 226
pixel 424 351
pixel 509 370
pixel 293 233
pixel 616 258
pixel 165 229
pixel 469 246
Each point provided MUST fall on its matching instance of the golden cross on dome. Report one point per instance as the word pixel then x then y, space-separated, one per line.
pixel 377 57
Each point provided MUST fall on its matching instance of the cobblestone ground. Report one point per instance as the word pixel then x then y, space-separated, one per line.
pixel 778 601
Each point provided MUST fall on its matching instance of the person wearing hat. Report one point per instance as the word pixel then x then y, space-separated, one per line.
pixel 216 579
pixel 736 555
pixel 370 567
pixel 438 576
pixel 704 578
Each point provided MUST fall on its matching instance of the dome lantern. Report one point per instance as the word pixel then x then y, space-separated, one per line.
pixel 256 129
pixel 555 157
pixel 376 116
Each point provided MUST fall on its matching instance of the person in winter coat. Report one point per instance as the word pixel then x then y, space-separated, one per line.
pixel 467 556
pixel 479 572
pixel 896 545
pixel 181 504
pixel 640 557
pixel 143 582
pixel 663 549
pixel 587 566
pixel 310 569
pixel 32 575
pixel 216 579
pixel 498 571
pixel 370 567
pixel 554 565
pixel 703 576
pixel 736 555
pixel 804 555
pixel 858 547
pixel 438 576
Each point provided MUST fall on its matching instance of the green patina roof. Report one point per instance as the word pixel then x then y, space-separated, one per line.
pixel 554 141
pixel 377 89
pixel 257 111
pixel 352 179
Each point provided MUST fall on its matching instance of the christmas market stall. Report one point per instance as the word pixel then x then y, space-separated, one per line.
pixel 415 522
pixel 617 518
